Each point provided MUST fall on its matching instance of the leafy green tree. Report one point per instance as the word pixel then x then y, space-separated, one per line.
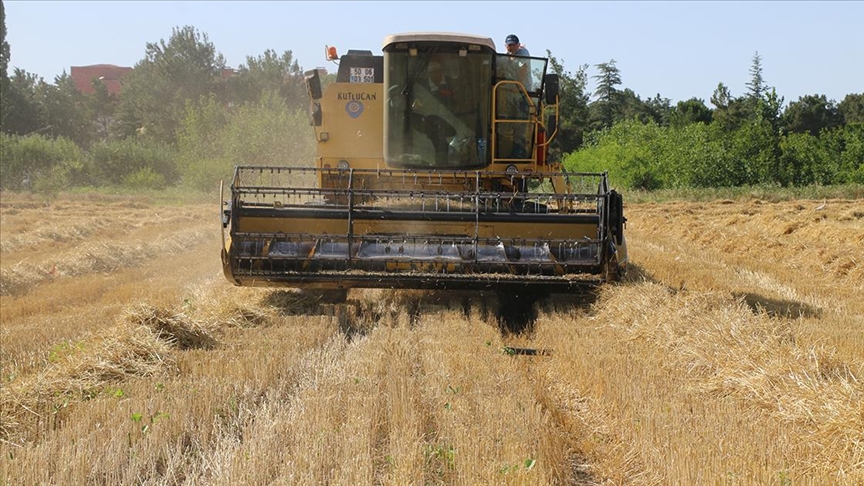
pixel 4 67
pixel 22 110
pixel 631 107
pixel 573 102
pixel 65 110
pixel 608 104
pixel 729 112
pixel 269 72
pixel 702 156
pixel 648 156
pixel 770 107
pixel 4 46
pixel 155 93
pixel 689 112
pixel 802 160
pixel 811 114
pixel 836 156
pixel 753 150
pixel 852 108
pixel 659 109
pixel 852 157
pixel 721 98
pixel 845 154
pixel 102 106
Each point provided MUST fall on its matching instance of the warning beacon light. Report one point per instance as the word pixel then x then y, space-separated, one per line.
pixel 330 52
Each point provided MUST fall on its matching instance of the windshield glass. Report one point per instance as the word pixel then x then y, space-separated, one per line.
pixel 438 108
pixel 527 70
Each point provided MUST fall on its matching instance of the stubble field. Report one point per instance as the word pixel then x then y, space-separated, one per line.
pixel 732 354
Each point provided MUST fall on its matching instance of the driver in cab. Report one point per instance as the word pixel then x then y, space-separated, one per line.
pixel 437 84
pixel 432 107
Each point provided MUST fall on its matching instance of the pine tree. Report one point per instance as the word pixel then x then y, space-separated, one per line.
pixel 757 82
pixel 608 99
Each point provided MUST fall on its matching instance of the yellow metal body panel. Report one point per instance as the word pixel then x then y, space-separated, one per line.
pixel 353 121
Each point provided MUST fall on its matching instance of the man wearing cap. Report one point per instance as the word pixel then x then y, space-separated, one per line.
pixel 513 139
pixel 514 48
pixel 521 73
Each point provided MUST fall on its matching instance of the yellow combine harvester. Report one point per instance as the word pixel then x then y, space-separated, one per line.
pixel 431 173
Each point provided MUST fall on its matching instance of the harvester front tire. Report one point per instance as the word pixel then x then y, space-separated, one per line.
pixel 327 296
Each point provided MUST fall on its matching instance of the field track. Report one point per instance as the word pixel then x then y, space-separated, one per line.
pixel 732 354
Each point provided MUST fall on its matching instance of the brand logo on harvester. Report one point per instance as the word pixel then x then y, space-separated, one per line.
pixel 357 97
pixel 354 108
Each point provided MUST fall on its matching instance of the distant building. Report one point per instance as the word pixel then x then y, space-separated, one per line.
pixel 110 74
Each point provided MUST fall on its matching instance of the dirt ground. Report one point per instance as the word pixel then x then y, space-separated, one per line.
pixel 733 353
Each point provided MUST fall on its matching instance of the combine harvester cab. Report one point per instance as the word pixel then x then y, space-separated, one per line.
pixel 431 174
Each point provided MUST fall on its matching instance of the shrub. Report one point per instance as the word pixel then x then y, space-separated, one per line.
pixel 36 157
pixel 847 148
pixel 144 178
pixel 118 162
pixel 630 151
pixel 803 160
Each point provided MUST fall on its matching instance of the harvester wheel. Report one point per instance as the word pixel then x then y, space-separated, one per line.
pixel 517 311
pixel 327 296
pixel 612 272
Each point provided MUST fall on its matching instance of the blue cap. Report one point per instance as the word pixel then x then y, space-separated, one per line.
pixel 511 39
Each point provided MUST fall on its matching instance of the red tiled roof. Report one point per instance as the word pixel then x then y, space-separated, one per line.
pixel 110 74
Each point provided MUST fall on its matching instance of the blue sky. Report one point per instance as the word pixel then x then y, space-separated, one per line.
pixel 678 49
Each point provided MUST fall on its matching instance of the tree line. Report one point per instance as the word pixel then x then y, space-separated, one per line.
pixel 180 121
pixel 751 139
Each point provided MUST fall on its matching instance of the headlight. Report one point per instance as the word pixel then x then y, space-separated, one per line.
pixel 342 165
pixel 511 169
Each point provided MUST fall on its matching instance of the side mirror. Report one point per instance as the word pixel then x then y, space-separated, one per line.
pixel 551 82
pixel 313 84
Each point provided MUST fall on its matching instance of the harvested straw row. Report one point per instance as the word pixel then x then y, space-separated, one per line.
pixel 139 346
pixel 98 257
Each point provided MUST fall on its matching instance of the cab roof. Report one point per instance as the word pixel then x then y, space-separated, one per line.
pixel 438 36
